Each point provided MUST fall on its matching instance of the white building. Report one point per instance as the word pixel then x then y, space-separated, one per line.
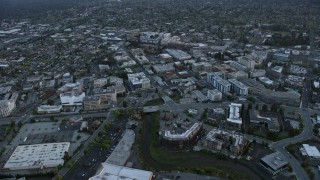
pixel 8 104
pixel 47 109
pixel 310 151
pixel 139 80
pixel 234 113
pixel 114 172
pixel 214 95
pixel 72 98
pixel 188 134
pixel 6 107
pixel 37 156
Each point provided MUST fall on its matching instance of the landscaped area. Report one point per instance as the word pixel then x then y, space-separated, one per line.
pixel 154 157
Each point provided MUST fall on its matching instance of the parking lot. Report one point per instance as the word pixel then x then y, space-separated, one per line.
pixel 88 165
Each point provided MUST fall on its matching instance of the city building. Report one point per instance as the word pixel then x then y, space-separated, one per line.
pixel 272 97
pixel 107 96
pixel 247 62
pixel 218 139
pixel 151 37
pixel 6 107
pixel 257 73
pixel 114 172
pixel 139 80
pixel 72 98
pixel 199 96
pixel 160 68
pixel 298 70
pixel 8 104
pixel 178 54
pixel 281 58
pixel 91 103
pixel 37 156
pixel 216 81
pixel 201 66
pixel 310 151
pixel 235 114
pixel 47 109
pixel 274 163
pixel 272 122
pixel 295 80
pixel 238 88
pixel 185 139
pixel 238 75
pixel 214 95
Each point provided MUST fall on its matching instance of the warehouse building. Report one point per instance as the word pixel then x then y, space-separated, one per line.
pixel 37 156
pixel 111 171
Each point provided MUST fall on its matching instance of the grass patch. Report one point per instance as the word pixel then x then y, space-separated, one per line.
pixel 182 160
pixel 154 102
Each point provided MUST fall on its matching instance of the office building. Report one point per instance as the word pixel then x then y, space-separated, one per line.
pixel 47 109
pixel 274 163
pixel 238 88
pixel 216 81
pixel 214 95
pixel 235 114
pixel 139 80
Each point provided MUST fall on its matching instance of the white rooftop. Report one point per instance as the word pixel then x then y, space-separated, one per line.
pixel 234 113
pixel 311 151
pixel 37 156
pixel 115 172
pixel 193 129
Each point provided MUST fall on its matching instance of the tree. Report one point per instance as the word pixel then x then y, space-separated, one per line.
pixel 265 107
pixel 125 104
pixel 50 102
pixel 316 131
pixel 12 123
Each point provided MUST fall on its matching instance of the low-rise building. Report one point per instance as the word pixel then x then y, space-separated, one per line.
pixel 72 98
pixel 274 163
pixel 214 95
pixel 272 122
pixel 310 151
pixel 178 54
pixel 37 156
pixel 91 103
pixel 219 83
pixel 48 109
pixel 295 80
pixel 238 88
pixel 185 139
pixel 139 80
pixel 196 94
pixel 235 114
pixel 111 171
pixel 218 139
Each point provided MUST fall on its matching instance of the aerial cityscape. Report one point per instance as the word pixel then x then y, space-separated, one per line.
pixel 159 89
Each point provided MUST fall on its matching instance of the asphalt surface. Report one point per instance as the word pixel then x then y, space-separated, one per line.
pixel 88 164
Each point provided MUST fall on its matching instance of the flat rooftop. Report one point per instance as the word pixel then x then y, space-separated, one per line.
pixel 275 160
pixel 115 172
pixel 37 156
